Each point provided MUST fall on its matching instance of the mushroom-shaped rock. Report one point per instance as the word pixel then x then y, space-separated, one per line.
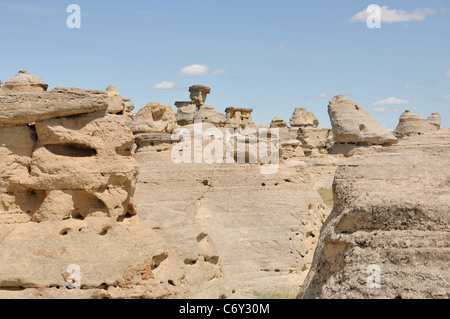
pixel 24 81
pixel 302 117
pixel 199 93
pixel 352 124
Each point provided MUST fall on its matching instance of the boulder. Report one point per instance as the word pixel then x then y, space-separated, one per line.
pixel 435 119
pixel 277 123
pixel 154 118
pixel 25 82
pixel 412 124
pixel 302 117
pixel 352 124
pixel 208 114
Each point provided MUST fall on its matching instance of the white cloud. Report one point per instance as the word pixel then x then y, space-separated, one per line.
pixel 220 71
pixel 391 101
pixel 394 15
pixel 194 70
pixel 447 74
pixel 282 46
pixel 445 98
pixel 165 85
pixel 383 109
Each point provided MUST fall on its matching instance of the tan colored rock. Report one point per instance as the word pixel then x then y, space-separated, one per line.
pixel 89 154
pixel 412 124
pixel 390 221
pixel 435 119
pixel 239 117
pixel 262 229
pixel 208 114
pixel 302 118
pixel 113 260
pixel 352 124
pixel 315 139
pixel 154 118
pixel 199 93
pixel 23 81
pixel 277 123
pixel 18 108
pixel 197 110
pixel 114 100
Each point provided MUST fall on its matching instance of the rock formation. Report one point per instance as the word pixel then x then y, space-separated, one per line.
pixel 199 93
pixel 303 118
pixel 248 232
pixel 388 234
pixel 196 109
pixel 68 176
pixel 412 124
pixel 315 139
pixel 352 125
pixel 154 118
pixel 23 81
pixel 435 119
pixel 277 123
pixel 239 117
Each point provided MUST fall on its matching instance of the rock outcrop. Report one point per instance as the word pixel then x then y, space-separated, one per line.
pixel 196 109
pixel 25 82
pixel 260 229
pixel 67 216
pixel 388 235
pixel 315 140
pixel 154 118
pixel 239 117
pixel 412 124
pixel 352 125
pixel 277 123
pixel 303 118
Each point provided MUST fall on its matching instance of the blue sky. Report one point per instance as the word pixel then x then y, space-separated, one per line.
pixel 272 56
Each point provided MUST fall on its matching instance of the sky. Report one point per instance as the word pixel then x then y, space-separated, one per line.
pixel 272 56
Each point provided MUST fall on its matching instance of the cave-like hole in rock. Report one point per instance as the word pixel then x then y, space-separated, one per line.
pixel 71 150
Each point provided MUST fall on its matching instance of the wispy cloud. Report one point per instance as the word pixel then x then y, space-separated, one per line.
pixel 164 85
pixel 391 101
pixel 220 71
pixel 445 98
pixel 383 109
pixel 422 85
pixel 194 70
pixel 394 15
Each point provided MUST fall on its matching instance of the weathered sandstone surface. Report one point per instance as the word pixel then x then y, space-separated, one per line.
pixel 67 217
pixel 352 124
pixel 391 214
pixel 412 124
